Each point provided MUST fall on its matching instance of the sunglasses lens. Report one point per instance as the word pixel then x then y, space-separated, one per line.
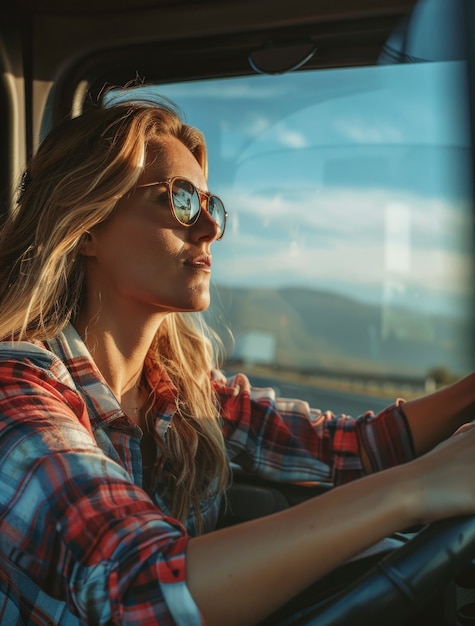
pixel 186 202
pixel 218 213
pixel 187 205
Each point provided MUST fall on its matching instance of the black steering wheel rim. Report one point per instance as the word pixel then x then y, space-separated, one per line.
pixel 402 582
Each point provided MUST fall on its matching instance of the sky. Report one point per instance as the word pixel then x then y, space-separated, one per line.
pixel 349 180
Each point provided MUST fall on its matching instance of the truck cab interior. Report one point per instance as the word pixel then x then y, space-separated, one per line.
pixel 353 122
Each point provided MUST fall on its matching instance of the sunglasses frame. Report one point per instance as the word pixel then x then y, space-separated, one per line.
pixel 207 195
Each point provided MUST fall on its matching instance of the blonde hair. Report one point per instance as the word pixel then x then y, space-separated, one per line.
pixel 73 184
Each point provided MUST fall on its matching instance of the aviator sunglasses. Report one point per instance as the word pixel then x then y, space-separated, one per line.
pixel 186 201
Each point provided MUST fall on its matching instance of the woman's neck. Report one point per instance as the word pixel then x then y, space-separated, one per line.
pixel 119 352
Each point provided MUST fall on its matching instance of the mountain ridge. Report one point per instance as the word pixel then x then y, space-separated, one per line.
pixel 322 329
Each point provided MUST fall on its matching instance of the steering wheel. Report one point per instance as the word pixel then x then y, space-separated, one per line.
pixel 402 582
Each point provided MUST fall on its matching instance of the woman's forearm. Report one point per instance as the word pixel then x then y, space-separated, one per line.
pixel 241 574
pixel 435 417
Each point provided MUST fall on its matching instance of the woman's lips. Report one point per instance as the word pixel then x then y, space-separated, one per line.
pixel 200 262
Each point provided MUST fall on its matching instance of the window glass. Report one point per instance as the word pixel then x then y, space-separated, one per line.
pixel 346 263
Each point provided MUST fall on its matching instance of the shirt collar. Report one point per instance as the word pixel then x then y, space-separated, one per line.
pixel 102 404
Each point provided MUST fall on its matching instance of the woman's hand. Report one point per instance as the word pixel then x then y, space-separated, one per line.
pixel 291 549
pixel 443 480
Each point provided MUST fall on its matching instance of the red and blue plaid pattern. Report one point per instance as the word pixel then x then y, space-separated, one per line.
pixel 80 540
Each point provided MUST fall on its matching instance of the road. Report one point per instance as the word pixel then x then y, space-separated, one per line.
pixel 321 398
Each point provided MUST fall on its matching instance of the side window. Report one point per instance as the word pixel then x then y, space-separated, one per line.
pixel 346 264
pixel 6 149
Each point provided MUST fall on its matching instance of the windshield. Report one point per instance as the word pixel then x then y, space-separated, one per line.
pixel 347 253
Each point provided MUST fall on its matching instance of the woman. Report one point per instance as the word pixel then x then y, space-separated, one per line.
pixel 115 439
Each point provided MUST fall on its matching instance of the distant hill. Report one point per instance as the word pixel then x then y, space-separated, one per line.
pixel 318 329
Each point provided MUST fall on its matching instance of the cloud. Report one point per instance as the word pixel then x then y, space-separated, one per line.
pixel 290 138
pixel 343 236
pixel 253 88
pixel 366 131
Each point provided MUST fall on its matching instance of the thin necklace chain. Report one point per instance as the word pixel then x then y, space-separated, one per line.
pixel 135 409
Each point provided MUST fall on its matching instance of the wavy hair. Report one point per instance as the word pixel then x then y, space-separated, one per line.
pixel 72 184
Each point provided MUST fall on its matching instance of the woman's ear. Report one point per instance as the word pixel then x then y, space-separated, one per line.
pixel 87 244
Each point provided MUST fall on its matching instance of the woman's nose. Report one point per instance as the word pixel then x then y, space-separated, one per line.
pixel 205 225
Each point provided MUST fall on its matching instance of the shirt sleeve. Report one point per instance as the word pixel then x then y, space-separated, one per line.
pixel 71 519
pixel 286 440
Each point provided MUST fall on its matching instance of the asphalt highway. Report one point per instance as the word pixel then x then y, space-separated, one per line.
pixel 322 398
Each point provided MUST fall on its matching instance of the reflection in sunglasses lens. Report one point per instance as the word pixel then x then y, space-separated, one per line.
pixel 187 204
pixel 216 210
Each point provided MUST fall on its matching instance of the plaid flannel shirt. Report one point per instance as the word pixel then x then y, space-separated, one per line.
pixel 80 541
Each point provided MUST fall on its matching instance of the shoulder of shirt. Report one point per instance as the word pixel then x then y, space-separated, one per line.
pixel 36 355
